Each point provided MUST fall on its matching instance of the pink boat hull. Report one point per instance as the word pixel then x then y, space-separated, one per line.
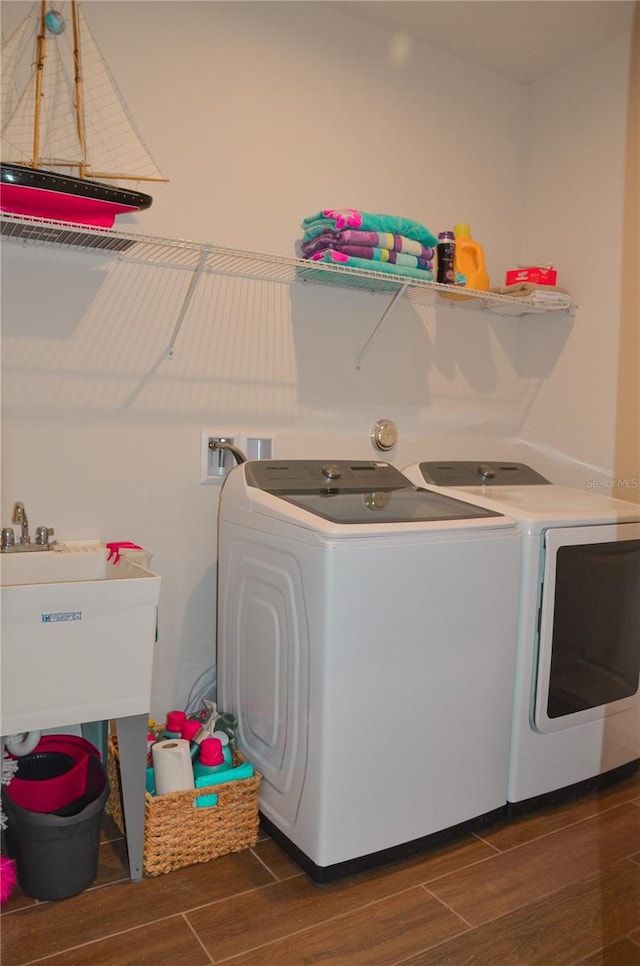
pixel 43 194
pixel 39 203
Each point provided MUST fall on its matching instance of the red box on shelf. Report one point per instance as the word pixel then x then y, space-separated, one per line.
pixel 538 274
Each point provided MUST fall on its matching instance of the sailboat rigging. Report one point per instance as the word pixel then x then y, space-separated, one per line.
pixel 65 127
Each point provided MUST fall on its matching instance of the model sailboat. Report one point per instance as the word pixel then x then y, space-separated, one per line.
pixel 67 136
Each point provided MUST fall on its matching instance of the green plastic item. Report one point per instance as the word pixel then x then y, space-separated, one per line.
pixel 245 770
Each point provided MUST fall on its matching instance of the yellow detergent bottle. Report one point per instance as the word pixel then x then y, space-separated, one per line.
pixel 469 266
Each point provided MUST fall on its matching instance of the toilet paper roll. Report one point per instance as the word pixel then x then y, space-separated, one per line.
pixel 172 766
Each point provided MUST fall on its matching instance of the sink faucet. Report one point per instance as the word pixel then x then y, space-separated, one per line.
pixel 19 516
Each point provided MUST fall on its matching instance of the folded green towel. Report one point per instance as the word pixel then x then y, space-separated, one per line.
pixel 337 219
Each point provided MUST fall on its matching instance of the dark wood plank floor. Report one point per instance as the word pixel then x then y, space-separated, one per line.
pixel 559 888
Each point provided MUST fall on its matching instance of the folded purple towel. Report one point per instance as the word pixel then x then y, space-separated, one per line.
pixel 375 239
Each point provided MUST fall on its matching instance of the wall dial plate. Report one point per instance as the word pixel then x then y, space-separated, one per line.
pixel 384 435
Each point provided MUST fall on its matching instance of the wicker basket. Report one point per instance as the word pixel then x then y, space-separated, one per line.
pixel 177 834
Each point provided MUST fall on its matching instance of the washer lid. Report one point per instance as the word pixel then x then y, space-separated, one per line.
pixel 365 492
pixel 535 507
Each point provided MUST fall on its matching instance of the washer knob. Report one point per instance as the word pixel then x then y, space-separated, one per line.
pixel 486 472
pixel 331 471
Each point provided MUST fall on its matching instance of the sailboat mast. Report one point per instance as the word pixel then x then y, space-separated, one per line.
pixel 38 88
pixel 77 61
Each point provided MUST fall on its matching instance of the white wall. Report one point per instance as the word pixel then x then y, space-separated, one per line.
pixel 260 114
pixel 575 198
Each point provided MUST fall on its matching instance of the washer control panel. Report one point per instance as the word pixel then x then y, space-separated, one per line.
pixel 308 476
pixel 486 473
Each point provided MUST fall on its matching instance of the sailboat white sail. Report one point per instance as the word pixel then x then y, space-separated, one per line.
pixel 12 51
pixel 62 111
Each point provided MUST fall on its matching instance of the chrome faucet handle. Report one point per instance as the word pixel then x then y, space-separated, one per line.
pixel 42 535
pixel 8 537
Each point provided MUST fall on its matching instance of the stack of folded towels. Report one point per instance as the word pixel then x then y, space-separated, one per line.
pixel 380 243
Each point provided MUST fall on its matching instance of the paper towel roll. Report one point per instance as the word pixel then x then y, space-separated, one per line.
pixel 172 765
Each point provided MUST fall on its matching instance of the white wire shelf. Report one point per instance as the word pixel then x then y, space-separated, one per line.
pixel 202 258
pixel 178 253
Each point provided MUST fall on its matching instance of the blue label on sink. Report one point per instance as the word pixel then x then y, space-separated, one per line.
pixel 65 615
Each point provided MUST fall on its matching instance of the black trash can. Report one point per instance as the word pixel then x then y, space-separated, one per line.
pixel 56 853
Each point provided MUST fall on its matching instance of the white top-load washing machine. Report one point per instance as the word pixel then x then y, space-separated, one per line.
pixel 576 721
pixel 366 635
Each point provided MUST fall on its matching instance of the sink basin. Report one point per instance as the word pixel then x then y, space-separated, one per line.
pixel 78 637
pixel 77 561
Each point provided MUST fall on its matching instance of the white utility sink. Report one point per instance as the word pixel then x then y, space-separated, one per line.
pixel 74 561
pixel 78 636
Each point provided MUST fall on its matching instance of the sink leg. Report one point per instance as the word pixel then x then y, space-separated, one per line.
pixel 97 733
pixel 132 751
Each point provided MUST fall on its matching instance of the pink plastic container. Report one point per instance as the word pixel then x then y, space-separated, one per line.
pixel 55 774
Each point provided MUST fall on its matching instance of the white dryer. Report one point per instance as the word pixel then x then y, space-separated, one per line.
pixel 576 720
pixel 366 645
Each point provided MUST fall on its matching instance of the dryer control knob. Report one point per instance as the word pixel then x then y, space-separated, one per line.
pixel 331 471
pixel 486 472
pixel 384 434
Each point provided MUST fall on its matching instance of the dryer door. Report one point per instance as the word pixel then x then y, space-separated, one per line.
pixel 589 639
